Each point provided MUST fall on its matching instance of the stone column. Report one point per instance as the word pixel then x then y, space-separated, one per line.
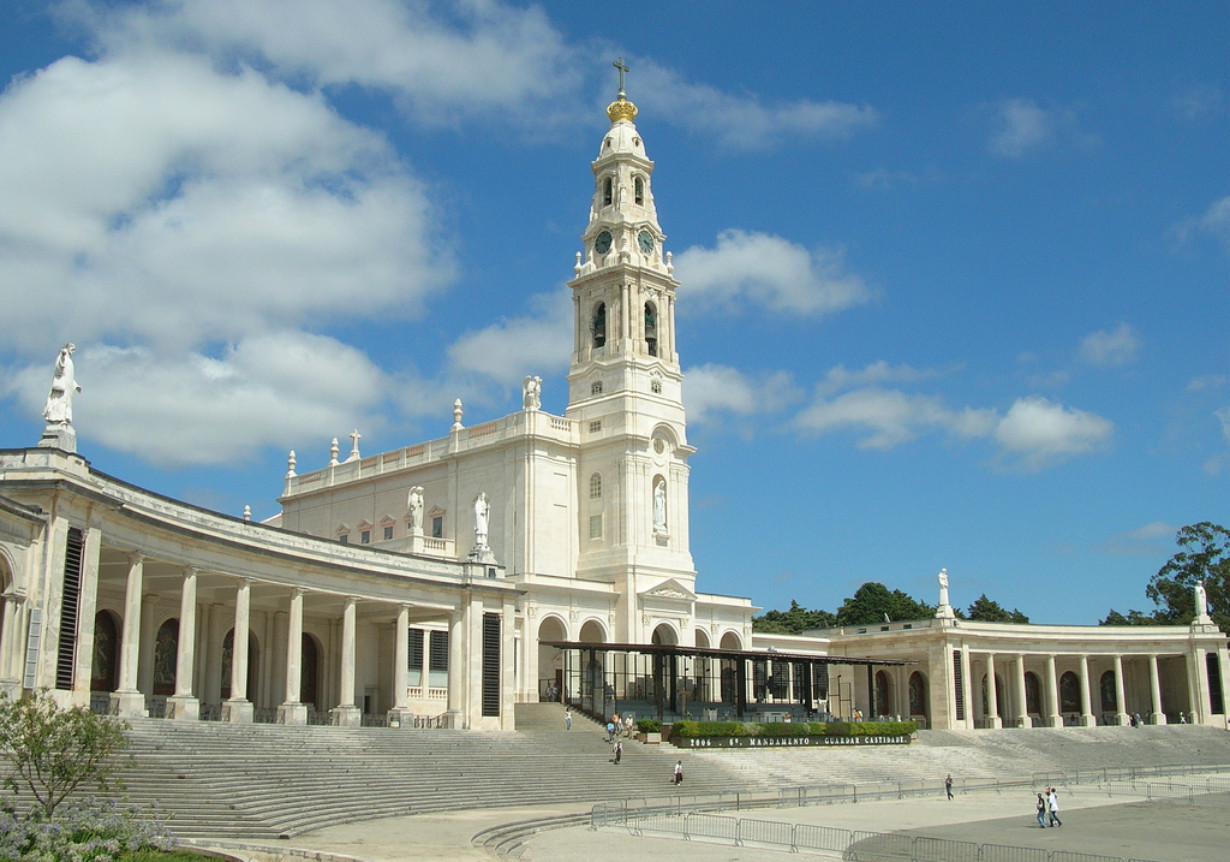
pixel 1198 668
pixel 11 638
pixel 1022 704
pixel 1155 692
pixel 456 666
pixel 211 692
pixel 994 720
pixel 346 714
pixel 1087 717
pixel 183 704
pixel 1121 716
pixel 292 711
pixel 238 708
pixel 400 713
pixel 127 701
pixel 1053 716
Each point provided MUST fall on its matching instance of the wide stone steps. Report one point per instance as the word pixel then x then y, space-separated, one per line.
pixel 258 781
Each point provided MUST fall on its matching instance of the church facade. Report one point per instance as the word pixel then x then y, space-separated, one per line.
pixel 434 584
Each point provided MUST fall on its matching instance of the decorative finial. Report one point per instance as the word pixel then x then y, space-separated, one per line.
pixel 290 465
pixel 621 108
pixel 457 415
pixel 333 453
pixel 247 513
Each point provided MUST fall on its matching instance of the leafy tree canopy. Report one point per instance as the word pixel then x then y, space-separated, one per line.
pixel 990 611
pixel 1204 556
pixel 794 621
pixel 873 601
pixel 52 750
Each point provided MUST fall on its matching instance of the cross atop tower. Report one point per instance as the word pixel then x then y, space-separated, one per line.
pixel 623 70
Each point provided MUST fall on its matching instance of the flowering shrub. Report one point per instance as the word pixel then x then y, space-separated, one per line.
pixel 85 831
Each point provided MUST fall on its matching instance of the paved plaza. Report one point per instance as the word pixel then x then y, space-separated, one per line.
pixel 1162 830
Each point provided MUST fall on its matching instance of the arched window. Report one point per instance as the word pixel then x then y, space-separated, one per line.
pixel 656 387
pixel 598 327
pixel 884 700
pixel 595 486
pixel 1069 693
pixel 1033 693
pixel 651 328
pixel 595 388
pixel 607 192
pixel 1107 685
pixel 918 694
pixel 640 190
pixel 166 651
pixel 106 647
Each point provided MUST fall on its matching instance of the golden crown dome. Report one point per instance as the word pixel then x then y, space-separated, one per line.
pixel 621 109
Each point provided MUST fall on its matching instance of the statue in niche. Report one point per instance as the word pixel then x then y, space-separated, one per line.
pixel 659 505
pixel 415 505
pixel 482 516
pixel 531 393
pixel 59 407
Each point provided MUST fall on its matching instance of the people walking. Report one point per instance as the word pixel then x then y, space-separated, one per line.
pixel 1053 805
pixel 678 772
pixel 619 751
pixel 1041 811
pixel 567 718
pixel 948 785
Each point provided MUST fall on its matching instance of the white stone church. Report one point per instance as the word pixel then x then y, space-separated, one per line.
pixel 531 556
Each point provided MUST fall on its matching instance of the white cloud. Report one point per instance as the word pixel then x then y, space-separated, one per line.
pixel 711 391
pixel 1146 539
pixel 877 373
pixel 129 180
pixel 1020 125
pixel 190 408
pixel 748 268
pixel 891 417
pixel 441 61
pixel 743 121
pixel 1216 221
pixel 510 349
pixel 1110 348
pixel 1036 432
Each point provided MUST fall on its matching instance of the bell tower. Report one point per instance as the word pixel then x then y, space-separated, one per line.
pixel 625 384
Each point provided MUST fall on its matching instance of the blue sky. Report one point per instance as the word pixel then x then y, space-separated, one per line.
pixel 954 276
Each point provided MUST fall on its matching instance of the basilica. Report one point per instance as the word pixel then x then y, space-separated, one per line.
pixel 521 558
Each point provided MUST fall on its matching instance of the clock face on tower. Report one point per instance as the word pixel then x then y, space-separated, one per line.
pixel 602 243
pixel 646 241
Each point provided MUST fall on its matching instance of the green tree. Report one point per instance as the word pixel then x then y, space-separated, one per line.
pixel 794 621
pixel 990 611
pixel 53 750
pixel 1204 557
pixel 873 602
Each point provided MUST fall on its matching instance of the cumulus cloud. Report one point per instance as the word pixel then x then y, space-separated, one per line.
pixel 1020 126
pixel 744 121
pixel 712 391
pixel 1036 432
pixel 508 350
pixel 1110 348
pixel 1033 434
pixel 749 268
pixel 440 61
pixel 1214 222
pixel 889 418
pixel 268 389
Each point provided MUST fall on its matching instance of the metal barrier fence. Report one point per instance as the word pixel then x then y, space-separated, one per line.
pixel 693 816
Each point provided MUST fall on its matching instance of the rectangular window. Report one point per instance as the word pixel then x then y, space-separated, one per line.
pixel 73 556
pixel 344 539
pixel 595 526
pixel 1217 704
pixel 438 660
pixel 491 664
pixel 437 527
pixel 596 425
pixel 415 660
pixel 365 537
pixel 957 678
pixel 388 533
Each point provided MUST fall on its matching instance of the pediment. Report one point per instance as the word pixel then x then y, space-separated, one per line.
pixel 670 590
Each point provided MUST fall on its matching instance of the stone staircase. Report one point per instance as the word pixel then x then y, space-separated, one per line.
pixel 266 781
